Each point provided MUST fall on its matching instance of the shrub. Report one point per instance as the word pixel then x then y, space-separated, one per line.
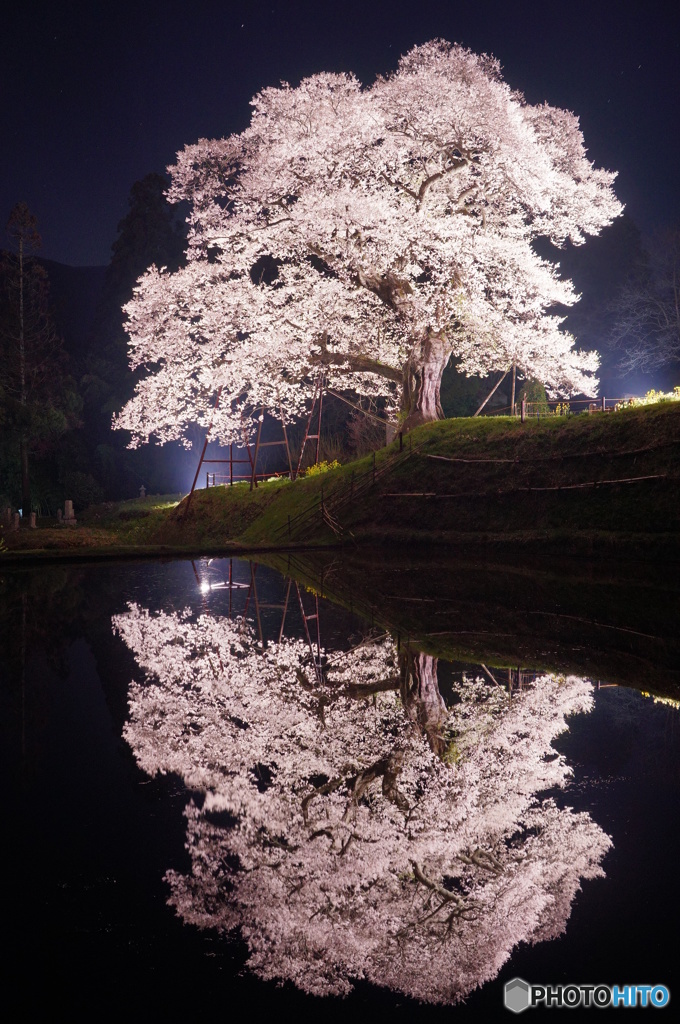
pixel 652 397
pixel 322 467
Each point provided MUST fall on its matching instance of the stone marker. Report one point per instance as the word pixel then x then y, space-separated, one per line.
pixel 31 521
pixel 17 520
pixel 142 491
pixel 69 517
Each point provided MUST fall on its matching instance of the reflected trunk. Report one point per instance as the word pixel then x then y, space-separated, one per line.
pixel 421 698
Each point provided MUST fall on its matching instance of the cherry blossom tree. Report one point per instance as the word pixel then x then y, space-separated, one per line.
pixel 355 827
pixel 372 233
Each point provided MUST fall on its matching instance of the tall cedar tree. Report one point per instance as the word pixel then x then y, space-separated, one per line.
pixel 37 399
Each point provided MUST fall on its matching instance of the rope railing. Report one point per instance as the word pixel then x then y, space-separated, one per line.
pixel 458 495
pixel 226 479
pixel 557 457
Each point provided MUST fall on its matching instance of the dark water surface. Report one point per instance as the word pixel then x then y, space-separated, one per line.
pixel 389 799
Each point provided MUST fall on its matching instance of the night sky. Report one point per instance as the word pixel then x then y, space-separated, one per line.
pixel 96 96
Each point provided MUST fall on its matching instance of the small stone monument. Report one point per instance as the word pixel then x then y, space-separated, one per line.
pixel 17 521
pixel 69 518
pixel 142 491
pixel 31 521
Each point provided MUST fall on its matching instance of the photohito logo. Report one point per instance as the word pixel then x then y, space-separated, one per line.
pixel 520 995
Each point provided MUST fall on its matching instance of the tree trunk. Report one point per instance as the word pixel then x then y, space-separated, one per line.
pixel 422 380
pixel 423 703
pixel 23 443
pixel 25 479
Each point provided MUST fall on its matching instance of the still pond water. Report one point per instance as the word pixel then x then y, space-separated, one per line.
pixel 223 786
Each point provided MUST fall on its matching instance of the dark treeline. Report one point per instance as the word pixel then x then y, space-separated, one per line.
pixel 64 369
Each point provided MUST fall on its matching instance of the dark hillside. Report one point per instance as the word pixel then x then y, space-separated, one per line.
pixel 74 294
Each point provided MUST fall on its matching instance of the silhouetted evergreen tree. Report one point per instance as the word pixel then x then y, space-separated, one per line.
pixel 150 233
pixel 38 400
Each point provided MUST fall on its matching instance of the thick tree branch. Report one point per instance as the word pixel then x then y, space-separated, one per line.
pixel 356 363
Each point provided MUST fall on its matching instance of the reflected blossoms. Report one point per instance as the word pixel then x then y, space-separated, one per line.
pixel 347 821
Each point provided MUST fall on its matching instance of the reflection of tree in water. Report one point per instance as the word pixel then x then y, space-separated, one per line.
pixel 345 838
pixel 423 703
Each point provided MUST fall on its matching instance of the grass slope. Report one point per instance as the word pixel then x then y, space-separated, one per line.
pixel 494 481
pixel 510 483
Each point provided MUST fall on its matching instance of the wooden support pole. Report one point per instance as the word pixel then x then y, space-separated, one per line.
pixel 285 606
pixel 493 391
pixel 253 477
pixel 247 446
pixel 285 438
pixel 257 605
pixel 205 445
pixel 318 390
pixel 318 427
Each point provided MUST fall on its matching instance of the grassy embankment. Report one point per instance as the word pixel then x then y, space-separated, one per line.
pixel 464 482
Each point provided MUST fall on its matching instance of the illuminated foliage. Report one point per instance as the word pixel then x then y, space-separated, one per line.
pixel 355 827
pixel 372 232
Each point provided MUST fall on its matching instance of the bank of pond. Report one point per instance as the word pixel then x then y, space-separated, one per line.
pixel 601 485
